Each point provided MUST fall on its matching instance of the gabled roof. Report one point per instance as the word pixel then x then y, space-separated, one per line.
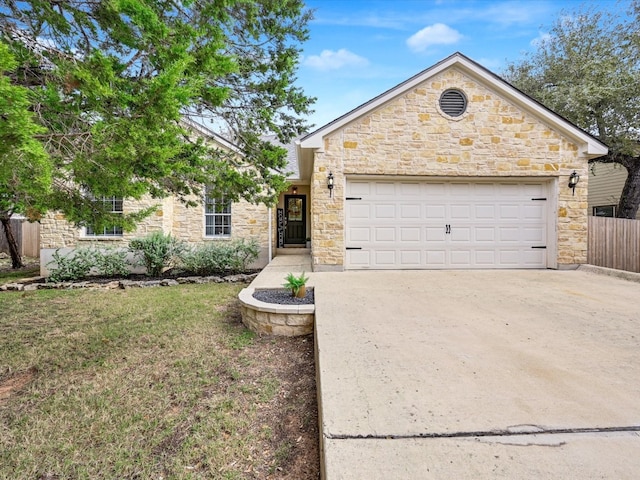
pixel 292 169
pixel 593 147
pixel 207 132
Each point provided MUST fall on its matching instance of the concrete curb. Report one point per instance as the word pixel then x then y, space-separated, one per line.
pixel 611 272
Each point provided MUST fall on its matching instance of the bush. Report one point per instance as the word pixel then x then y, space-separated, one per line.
pixel 111 262
pixel 72 266
pixel 220 257
pixel 157 251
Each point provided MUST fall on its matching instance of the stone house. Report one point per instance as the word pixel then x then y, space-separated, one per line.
pixel 453 168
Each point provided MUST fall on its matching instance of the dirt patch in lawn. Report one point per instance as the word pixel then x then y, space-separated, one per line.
pixel 292 412
pixel 15 383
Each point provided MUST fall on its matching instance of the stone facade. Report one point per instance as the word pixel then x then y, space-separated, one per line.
pixel 248 221
pixel 411 136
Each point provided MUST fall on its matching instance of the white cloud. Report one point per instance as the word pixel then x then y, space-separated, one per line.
pixel 540 40
pixel 436 34
pixel 330 60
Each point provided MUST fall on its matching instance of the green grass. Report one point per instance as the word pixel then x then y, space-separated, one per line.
pixel 136 383
pixel 7 276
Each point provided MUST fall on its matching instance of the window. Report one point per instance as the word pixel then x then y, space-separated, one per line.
pixel 604 211
pixel 217 215
pixel 114 205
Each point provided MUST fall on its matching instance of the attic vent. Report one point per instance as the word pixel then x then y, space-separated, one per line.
pixel 453 103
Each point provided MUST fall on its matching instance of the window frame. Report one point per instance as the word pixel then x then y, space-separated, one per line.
pixel 116 232
pixel 219 210
pixel 612 207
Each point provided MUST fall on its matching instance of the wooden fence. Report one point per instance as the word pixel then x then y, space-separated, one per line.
pixel 27 237
pixel 614 243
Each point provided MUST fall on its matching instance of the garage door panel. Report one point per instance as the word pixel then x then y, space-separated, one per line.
pixel 436 258
pixel 460 212
pixel 410 234
pixel 532 257
pixel 359 258
pixel 460 234
pixel 485 258
pixel 385 189
pixel 508 234
pixel 460 258
pixel 411 258
pixel 509 212
pixel 485 212
pixel 484 234
pixel 384 234
pixel 532 212
pixel 413 189
pixel 452 224
pixel 385 258
pixel 510 257
pixel 534 235
pixel 358 188
pixel 436 212
pixel 435 234
pixel 359 234
pixel 385 211
pixel 410 211
pixel 358 211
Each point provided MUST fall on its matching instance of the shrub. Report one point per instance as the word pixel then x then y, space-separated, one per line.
pixel 220 257
pixel 157 251
pixel 111 262
pixel 72 266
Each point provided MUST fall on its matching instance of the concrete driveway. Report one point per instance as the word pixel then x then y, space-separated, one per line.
pixel 478 374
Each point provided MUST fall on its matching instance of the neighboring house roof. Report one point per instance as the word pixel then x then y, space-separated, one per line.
pixel 593 148
pixel 207 132
pixel 292 169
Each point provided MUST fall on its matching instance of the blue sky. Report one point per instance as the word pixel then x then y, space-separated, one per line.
pixel 360 48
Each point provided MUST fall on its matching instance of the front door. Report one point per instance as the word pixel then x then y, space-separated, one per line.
pixel 295 231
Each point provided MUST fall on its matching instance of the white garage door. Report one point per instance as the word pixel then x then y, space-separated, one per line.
pixel 447 224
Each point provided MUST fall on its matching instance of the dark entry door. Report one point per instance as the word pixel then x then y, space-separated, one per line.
pixel 295 208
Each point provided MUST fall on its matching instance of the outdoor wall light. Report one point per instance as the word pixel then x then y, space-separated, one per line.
pixel 574 178
pixel 330 184
pixel 295 190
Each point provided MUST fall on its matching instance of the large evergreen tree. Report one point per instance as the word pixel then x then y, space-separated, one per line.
pixel 25 169
pixel 110 81
pixel 588 70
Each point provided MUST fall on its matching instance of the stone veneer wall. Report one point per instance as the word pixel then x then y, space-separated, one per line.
pixel 248 221
pixel 411 136
pixel 187 223
pixel 57 232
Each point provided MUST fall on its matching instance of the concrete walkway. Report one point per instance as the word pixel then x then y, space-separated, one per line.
pixel 475 374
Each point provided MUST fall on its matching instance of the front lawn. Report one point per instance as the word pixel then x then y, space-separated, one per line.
pixel 150 383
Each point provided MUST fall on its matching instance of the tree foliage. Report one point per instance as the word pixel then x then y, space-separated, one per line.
pixel 25 169
pixel 588 70
pixel 111 80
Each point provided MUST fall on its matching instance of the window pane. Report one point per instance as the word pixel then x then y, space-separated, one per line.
pixel 217 216
pixel 114 205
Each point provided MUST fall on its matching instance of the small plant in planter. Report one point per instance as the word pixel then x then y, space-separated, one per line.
pixel 297 285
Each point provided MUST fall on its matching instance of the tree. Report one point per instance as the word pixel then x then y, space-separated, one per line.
pixel 25 168
pixel 588 70
pixel 111 80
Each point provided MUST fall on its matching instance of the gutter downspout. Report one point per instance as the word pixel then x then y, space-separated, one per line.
pixel 269 210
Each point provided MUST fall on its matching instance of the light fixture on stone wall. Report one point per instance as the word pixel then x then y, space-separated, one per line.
pixel 574 178
pixel 330 184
